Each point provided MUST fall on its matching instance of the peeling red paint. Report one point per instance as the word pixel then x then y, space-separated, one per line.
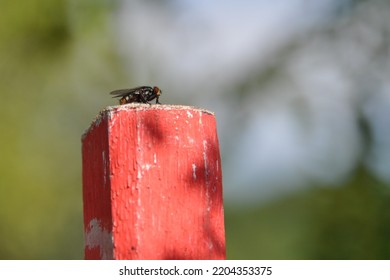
pixel 152 178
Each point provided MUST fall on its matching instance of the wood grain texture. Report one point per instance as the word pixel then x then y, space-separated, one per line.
pixel 152 184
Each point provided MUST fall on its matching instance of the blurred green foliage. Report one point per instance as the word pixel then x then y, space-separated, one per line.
pixel 50 72
pixel 328 222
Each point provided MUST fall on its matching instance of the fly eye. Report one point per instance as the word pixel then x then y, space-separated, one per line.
pixel 157 91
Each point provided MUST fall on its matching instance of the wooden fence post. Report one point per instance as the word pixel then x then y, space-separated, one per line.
pixel 152 184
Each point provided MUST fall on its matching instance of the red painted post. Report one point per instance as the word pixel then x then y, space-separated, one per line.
pixel 152 184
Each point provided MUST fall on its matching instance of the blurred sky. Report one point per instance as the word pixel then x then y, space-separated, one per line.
pixel 195 40
pixel 302 124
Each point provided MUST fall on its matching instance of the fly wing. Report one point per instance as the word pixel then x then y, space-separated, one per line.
pixel 121 92
pixel 124 92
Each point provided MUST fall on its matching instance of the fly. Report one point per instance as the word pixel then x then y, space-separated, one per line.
pixel 142 94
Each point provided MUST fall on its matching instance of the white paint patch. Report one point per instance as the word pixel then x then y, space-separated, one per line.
pixel 205 159
pixel 154 158
pixel 194 171
pixel 189 114
pixel 146 166
pixel 99 237
pixel 112 120
pixel 190 140
pixel 200 117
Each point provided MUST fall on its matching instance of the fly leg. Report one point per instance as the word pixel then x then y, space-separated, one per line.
pixel 143 99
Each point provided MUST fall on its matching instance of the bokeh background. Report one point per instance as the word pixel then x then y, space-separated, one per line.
pixel 301 92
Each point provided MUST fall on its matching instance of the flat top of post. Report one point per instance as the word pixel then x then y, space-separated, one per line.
pixel 146 107
pixel 140 107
